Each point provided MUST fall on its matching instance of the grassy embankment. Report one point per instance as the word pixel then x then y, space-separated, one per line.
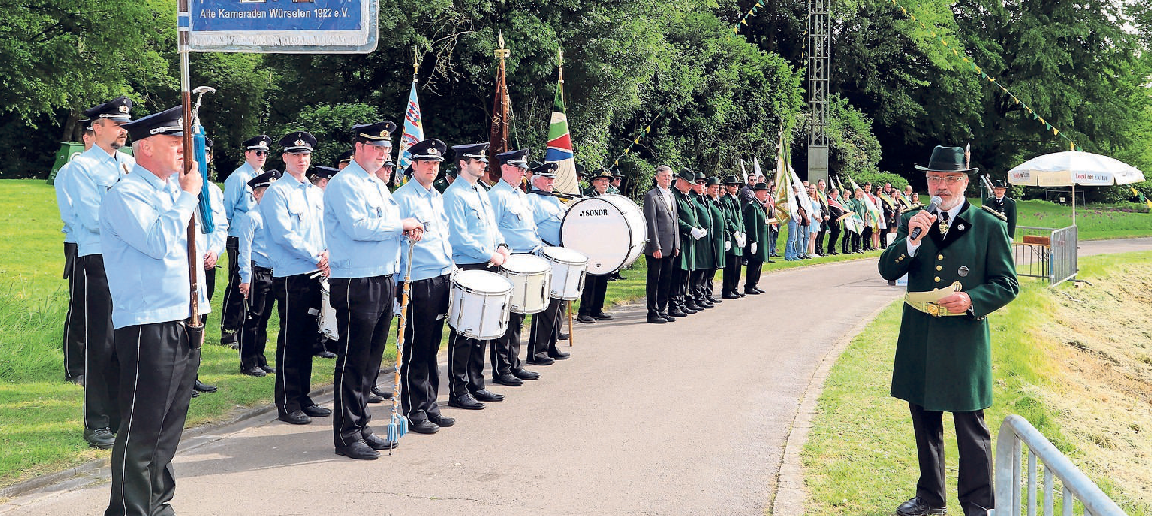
pixel 1076 361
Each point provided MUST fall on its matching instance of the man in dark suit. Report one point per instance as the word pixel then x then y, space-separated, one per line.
pixel 663 244
pixel 943 355
pixel 1004 205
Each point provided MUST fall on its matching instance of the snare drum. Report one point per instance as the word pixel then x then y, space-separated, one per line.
pixel 530 276
pixel 608 229
pixel 568 270
pixel 478 304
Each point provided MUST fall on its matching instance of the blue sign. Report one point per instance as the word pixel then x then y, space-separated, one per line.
pixel 283 26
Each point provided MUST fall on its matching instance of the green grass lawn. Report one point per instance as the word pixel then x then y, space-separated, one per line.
pixel 860 455
pixel 1093 222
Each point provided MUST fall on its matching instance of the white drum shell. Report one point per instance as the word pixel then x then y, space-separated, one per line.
pixel 608 229
pixel 530 276
pixel 568 270
pixel 479 303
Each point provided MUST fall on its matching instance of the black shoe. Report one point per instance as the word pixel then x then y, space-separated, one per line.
pixel 253 371
pixel 508 379
pixel 423 426
pixel 101 438
pixel 325 354
pixel 917 507
pixel 602 317
pixel 540 360
pixel 714 300
pixel 656 319
pixel 379 443
pixel 563 336
pixel 383 394
pixel 268 369
pixel 668 317
pixel 739 294
pixel 465 401
pixel 358 450
pixel 585 318
pixel 691 307
pixel 771 261
pixel 441 420
pixel 758 291
pixel 78 380
pixel 203 387
pixel 372 398
pixel 195 394
pixel 556 354
pixel 730 296
pixel 525 374
pixel 487 396
pixel 673 314
pixel 227 338
pixel 317 411
pixel 296 417
pixel 751 291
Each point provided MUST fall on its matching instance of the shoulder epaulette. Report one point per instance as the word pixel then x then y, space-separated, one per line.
pixel 912 207
pixel 1001 216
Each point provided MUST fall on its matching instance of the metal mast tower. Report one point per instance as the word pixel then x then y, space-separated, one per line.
pixel 819 63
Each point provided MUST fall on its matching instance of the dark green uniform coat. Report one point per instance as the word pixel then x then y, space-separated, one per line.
pixel 686 216
pixel 1007 207
pixel 756 226
pixel 734 217
pixel 705 259
pixel 945 363
pixel 720 236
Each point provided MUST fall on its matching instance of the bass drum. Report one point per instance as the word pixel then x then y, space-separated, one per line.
pixel 608 229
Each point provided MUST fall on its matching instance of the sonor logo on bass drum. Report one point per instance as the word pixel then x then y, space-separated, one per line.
pixel 594 213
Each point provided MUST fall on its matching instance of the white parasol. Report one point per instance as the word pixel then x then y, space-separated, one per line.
pixel 1071 168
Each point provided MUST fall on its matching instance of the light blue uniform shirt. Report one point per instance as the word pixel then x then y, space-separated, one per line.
pixel 220 230
pixel 94 172
pixel 253 249
pixel 64 203
pixel 144 224
pixel 474 236
pixel 548 212
pixel 514 217
pixel 238 195
pixel 362 224
pixel 432 255
pixel 293 213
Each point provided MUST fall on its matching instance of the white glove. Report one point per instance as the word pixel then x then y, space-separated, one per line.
pixel 698 233
pixel 740 240
pixel 727 245
pixel 753 247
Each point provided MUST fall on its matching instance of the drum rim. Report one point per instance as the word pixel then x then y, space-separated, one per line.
pixel 618 210
pixel 557 259
pixel 455 282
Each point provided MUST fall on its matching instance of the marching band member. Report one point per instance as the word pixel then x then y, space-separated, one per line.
pixel 237 201
pixel 73 347
pixel 293 213
pixel 364 232
pixel 547 213
pixel 514 219
pixel 431 286
pixel 734 216
pixel 477 244
pixel 595 286
pixel 255 281
pixel 91 176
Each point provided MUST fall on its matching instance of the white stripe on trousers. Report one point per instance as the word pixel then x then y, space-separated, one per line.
pixel 344 367
pixel 281 351
pixel 128 425
pixel 87 378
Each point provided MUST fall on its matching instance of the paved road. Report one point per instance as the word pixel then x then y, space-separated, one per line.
pixel 644 419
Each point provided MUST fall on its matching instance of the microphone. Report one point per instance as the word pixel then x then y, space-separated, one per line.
pixel 933 205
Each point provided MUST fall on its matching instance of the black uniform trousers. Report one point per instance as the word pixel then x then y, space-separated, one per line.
pixel 505 350
pixel 253 336
pixel 820 237
pixel 543 335
pixel 101 369
pixel 678 297
pixel 363 316
pixel 866 236
pixel 833 234
pixel 424 326
pixel 74 319
pixel 974 486
pixel 233 308
pixel 465 356
pixel 298 300
pixel 709 282
pixel 659 286
pixel 159 366
pixel 731 273
pixel 752 273
pixel 592 299
pixel 696 285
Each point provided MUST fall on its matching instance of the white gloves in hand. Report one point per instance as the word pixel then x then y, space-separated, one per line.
pixel 740 239
pixel 698 233
pixel 753 247
pixel 727 245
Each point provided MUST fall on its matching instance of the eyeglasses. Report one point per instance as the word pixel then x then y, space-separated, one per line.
pixel 261 152
pixel 951 180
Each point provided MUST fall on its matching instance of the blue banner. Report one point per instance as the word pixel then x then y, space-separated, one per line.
pixel 281 26
pixel 229 15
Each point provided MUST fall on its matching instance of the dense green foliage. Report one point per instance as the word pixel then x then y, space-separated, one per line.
pixel 710 97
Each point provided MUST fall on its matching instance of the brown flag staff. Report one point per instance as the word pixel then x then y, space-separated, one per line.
pixel 195 327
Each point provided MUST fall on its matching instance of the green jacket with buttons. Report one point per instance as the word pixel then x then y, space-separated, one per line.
pixel 704 257
pixel 734 215
pixel 719 235
pixel 686 217
pixel 945 363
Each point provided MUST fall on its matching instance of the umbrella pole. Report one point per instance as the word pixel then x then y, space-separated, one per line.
pixel 1073 203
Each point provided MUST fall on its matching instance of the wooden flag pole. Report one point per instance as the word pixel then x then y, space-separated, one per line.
pixel 195 328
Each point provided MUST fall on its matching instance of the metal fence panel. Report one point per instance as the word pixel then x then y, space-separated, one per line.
pixel 1048 253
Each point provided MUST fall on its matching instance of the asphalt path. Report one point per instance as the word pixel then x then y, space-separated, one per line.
pixel 691 417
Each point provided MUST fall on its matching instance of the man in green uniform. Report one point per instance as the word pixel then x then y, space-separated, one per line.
pixel 681 305
pixel 1004 205
pixel 943 355
pixel 756 227
pixel 734 218
pixel 720 238
pixel 705 260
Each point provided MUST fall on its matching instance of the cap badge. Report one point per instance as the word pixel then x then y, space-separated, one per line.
pixel 299 143
pixel 385 134
pixel 123 109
